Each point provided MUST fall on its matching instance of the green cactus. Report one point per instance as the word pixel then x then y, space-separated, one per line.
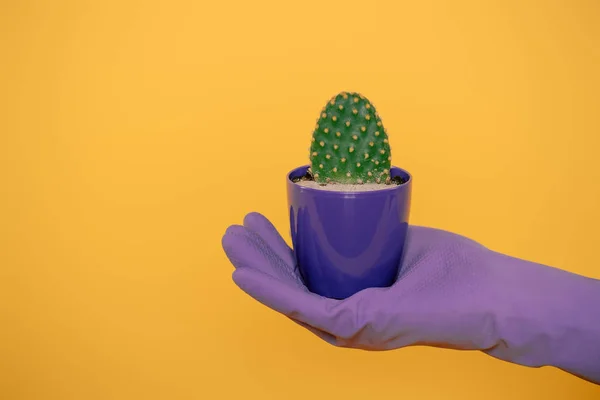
pixel 350 144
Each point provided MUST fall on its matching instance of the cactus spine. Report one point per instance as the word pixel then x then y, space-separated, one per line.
pixel 349 143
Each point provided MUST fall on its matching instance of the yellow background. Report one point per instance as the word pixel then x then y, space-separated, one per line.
pixel 133 133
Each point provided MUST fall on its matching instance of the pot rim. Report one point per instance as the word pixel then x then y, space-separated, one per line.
pixel 394 171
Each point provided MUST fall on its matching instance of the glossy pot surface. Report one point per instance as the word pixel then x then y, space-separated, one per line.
pixel 348 241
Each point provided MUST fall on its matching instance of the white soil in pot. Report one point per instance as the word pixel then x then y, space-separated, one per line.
pixel 337 187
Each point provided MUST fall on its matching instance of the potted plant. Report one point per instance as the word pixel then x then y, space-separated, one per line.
pixel 349 208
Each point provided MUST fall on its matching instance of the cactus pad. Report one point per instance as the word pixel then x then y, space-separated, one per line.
pixel 349 143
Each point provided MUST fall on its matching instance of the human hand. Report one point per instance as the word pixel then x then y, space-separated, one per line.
pixel 436 300
pixel 451 292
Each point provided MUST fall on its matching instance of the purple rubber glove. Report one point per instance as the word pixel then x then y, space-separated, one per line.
pixel 451 292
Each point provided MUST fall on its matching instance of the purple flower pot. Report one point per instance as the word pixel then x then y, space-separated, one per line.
pixel 345 242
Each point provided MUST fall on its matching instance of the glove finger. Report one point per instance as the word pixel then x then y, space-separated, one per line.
pixel 343 319
pixel 264 228
pixel 246 249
